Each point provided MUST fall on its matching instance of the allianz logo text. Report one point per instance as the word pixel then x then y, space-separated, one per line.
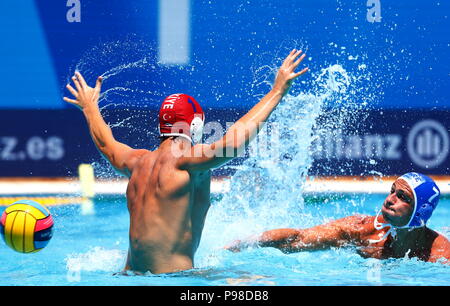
pixel 426 144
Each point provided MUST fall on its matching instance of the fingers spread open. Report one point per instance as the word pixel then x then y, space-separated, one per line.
pixel 288 59
pixel 81 79
pixel 77 83
pixel 70 100
pixel 301 72
pixel 298 61
pixel 297 54
pixel 291 57
pixel 72 90
pixel 98 85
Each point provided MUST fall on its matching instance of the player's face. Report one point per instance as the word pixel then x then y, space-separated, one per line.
pixel 399 204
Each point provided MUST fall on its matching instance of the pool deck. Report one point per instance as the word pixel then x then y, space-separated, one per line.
pixel 70 187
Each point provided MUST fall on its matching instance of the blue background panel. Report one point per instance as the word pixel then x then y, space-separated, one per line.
pixel 28 77
pixel 233 46
pixel 406 53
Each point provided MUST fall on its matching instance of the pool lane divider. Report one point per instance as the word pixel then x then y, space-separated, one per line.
pixel 87 183
pixel 66 191
pixel 46 201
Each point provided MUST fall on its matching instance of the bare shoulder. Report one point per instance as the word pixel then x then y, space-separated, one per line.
pixel 442 241
pixel 440 247
pixel 359 219
pixel 355 227
pixel 138 155
pixel 354 221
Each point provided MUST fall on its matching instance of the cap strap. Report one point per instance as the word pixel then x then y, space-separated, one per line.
pixel 176 135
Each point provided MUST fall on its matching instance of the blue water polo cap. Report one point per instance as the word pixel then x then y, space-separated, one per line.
pixel 426 197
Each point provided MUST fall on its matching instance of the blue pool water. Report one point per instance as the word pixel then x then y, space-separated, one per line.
pixel 89 249
pixel 265 193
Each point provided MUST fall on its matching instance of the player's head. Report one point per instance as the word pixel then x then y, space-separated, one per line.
pixel 412 200
pixel 181 115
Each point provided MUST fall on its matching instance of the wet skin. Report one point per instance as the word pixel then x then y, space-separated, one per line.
pixel 358 230
pixel 168 207
pixel 399 204
pixel 168 194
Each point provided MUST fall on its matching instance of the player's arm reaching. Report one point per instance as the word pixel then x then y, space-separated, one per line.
pixel 333 234
pixel 239 135
pixel 121 156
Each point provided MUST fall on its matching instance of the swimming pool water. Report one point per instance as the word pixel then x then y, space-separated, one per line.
pixel 90 249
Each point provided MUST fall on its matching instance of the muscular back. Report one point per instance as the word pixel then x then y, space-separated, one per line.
pixel 167 210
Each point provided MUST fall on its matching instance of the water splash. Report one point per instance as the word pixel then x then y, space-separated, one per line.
pixel 119 69
pixel 96 259
pixel 266 191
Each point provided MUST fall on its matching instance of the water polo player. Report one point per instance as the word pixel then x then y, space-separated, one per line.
pixel 168 192
pixel 398 230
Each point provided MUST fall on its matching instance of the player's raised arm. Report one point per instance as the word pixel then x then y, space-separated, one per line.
pixel 203 157
pixel 121 156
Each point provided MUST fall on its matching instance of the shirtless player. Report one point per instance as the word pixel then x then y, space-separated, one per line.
pixel 168 192
pixel 397 231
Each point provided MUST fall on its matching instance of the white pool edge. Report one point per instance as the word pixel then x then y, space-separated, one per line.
pixel 218 185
